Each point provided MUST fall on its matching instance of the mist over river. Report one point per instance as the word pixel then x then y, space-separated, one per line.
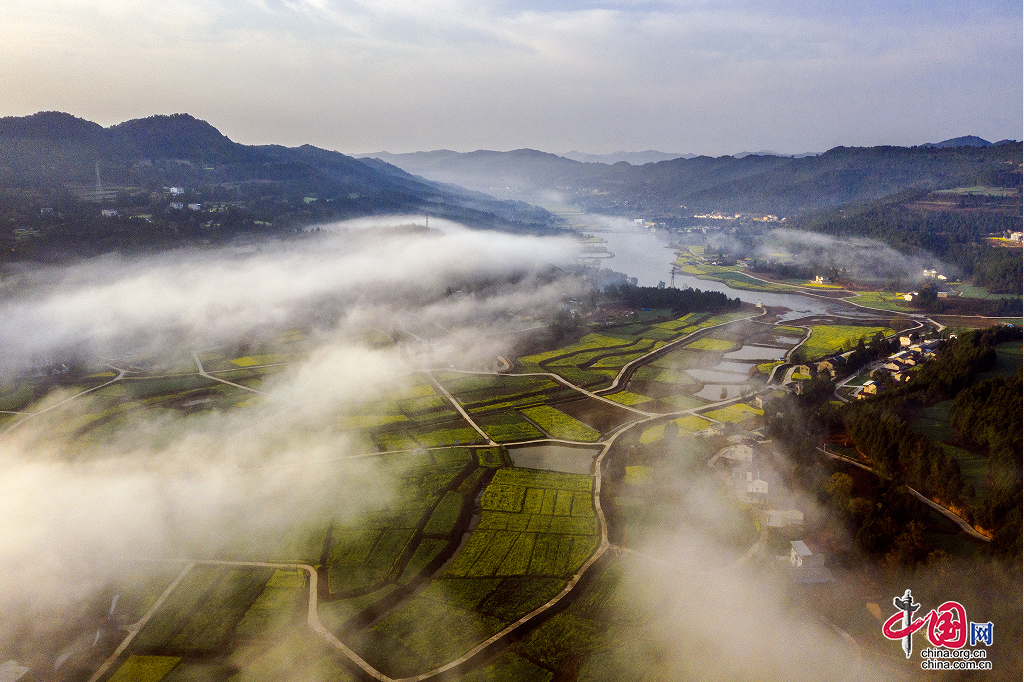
pixel 648 257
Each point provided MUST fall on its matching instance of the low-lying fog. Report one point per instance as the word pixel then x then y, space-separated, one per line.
pixel 173 487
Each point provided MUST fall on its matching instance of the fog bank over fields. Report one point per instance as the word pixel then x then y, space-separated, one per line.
pixel 115 306
pixel 165 484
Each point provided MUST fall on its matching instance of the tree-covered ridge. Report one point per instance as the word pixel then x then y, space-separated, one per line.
pixel 765 184
pixel 988 414
pixel 957 236
pixel 985 415
pixel 72 188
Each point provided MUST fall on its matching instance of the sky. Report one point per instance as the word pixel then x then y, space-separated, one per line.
pixel 685 76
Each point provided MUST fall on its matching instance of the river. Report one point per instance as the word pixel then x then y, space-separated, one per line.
pixel 648 257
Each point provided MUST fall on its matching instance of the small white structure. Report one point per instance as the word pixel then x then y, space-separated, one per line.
pixel 109 213
pixel 804 565
pixel 801 555
pixel 757 490
pixel 195 207
pixel 177 205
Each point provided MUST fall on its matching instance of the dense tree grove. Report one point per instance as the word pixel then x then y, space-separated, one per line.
pixel 986 415
pixel 677 300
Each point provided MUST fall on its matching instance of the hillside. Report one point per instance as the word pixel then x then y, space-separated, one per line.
pixel 754 183
pixel 60 170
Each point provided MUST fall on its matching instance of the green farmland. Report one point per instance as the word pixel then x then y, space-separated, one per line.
pixel 460 543
pixel 828 339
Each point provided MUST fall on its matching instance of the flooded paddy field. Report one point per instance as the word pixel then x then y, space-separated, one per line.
pixel 758 352
pixel 597 414
pixel 562 458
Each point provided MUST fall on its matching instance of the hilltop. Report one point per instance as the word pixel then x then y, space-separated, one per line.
pixel 60 170
pixel 757 183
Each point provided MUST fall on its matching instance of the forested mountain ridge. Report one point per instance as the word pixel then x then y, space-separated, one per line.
pixel 761 184
pixel 57 169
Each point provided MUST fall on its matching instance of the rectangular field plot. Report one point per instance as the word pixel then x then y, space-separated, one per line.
pixel 427 551
pixel 561 425
pixel 589 342
pixel 490 395
pixel 690 423
pixel 681 323
pixel 394 440
pixel 832 338
pixel 207 630
pixel 445 515
pixel 361 558
pixel 627 398
pixel 379 564
pixel 423 634
pixel 145 668
pixel 681 401
pixel 585 378
pixel 276 607
pixel 734 413
pixel 543 479
pixel 204 609
pixel 174 612
pixel 712 345
pixel 461 435
pixel 532 523
pixel 509 427
pixel 619 359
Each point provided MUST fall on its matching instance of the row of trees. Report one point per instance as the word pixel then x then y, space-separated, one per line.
pixel 678 300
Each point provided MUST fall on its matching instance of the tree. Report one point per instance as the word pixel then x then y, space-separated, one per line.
pixel 840 488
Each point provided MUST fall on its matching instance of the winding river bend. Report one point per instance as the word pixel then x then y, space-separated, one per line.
pixel 648 257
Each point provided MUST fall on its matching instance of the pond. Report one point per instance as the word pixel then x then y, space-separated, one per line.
pixel 739 367
pixel 563 458
pixel 756 353
pixel 706 375
pixel 713 392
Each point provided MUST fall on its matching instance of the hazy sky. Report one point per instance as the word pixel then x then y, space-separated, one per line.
pixel 713 76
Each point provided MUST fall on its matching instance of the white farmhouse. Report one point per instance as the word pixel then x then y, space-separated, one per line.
pixel 804 565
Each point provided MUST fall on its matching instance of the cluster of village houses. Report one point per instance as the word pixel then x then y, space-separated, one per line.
pixel 898 365
pixel 746 468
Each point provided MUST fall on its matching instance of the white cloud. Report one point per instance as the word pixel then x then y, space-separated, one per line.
pixel 704 77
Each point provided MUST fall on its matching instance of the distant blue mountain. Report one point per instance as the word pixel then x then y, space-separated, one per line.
pixel 965 141
pixel 632 158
